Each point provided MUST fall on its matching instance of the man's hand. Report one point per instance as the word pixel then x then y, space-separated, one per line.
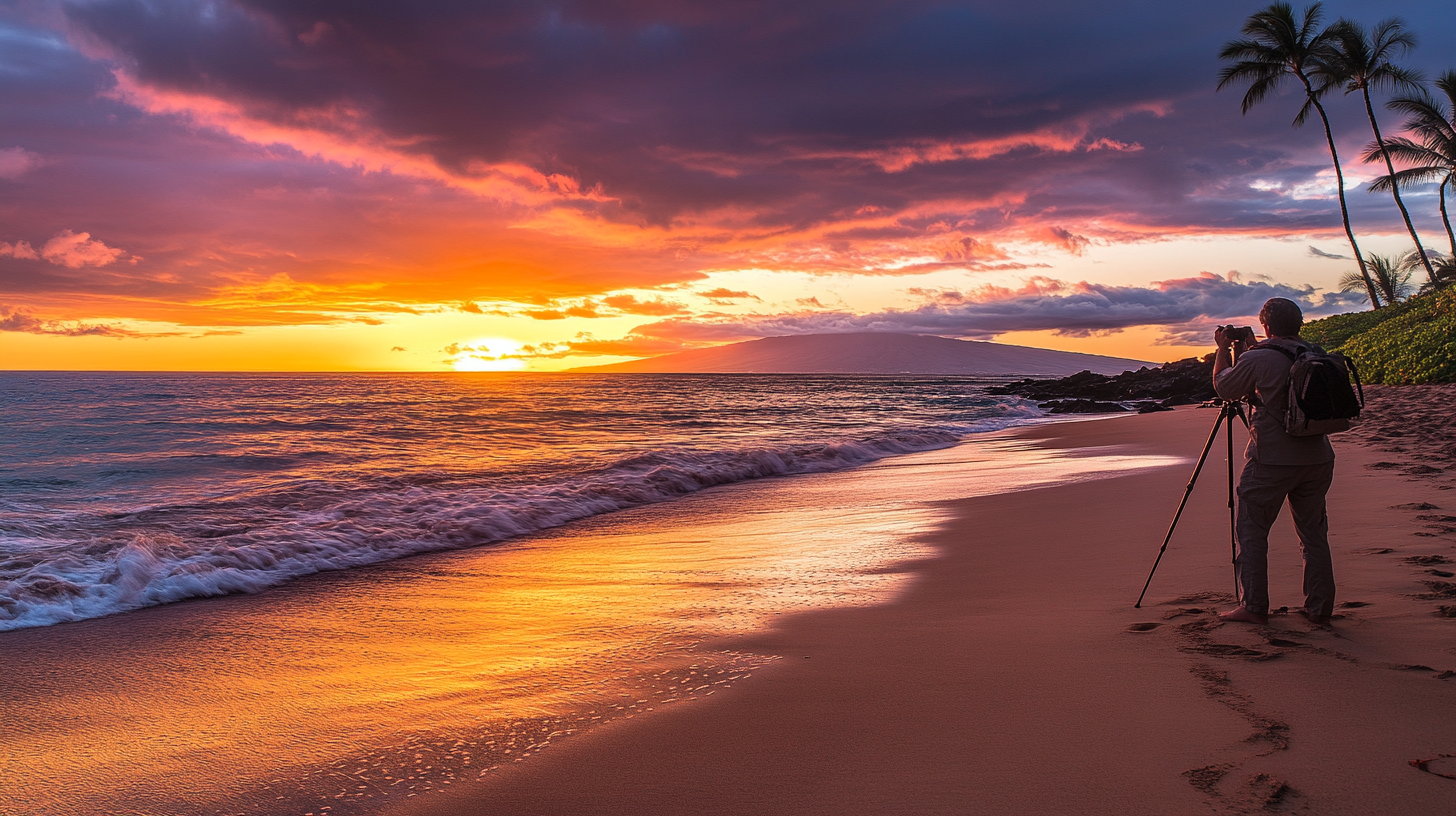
pixel 1222 339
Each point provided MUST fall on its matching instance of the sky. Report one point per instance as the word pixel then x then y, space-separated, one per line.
pixel 365 185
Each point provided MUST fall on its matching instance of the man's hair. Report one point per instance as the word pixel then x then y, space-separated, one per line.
pixel 1281 316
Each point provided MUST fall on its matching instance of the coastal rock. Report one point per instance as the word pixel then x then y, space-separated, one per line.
pixel 1184 382
pixel 1082 406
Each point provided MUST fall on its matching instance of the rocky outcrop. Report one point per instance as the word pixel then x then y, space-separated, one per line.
pixel 1185 382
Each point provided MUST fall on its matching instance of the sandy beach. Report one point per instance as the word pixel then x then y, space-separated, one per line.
pixel 950 631
pixel 1013 675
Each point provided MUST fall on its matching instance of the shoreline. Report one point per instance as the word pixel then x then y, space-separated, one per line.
pixel 990 663
pixel 1014 675
pixel 402 678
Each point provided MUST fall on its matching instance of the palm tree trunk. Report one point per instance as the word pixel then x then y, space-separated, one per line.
pixel 1395 188
pixel 1446 219
pixel 1340 188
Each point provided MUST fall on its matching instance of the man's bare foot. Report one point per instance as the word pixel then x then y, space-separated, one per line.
pixel 1317 620
pixel 1243 615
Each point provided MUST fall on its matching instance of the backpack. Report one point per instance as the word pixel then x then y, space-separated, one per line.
pixel 1321 400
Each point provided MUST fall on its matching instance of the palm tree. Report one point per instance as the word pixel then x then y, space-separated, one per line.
pixel 1391 276
pixel 1445 274
pixel 1276 48
pixel 1362 60
pixel 1433 158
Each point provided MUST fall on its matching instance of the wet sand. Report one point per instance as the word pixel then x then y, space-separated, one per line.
pixel 1013 674
pixel 341 691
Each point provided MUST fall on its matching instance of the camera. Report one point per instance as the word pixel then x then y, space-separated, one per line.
pixel 1237 333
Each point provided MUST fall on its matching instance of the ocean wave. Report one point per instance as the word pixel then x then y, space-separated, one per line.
pixel 54 570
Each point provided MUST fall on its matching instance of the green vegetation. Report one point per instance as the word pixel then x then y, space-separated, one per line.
pixel 1403 344
pixel 1332 332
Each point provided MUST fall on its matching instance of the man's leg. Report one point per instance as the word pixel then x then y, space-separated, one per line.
pixel 1262 489
pixel 1307 506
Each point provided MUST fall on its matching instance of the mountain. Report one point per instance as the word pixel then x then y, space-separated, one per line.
pixel 872 353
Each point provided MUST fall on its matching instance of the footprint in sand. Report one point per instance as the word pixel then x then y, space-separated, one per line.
pixel 1440 765
pixel 1354 604
pixel 1143 627
pixel 1427 560
pixel 1440 591
pixel 1415 506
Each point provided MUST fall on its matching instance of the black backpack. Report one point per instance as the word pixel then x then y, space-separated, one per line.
pixel 1321 399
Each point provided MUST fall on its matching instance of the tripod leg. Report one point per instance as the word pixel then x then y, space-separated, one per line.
pixel 1233 529
pixel 1187 491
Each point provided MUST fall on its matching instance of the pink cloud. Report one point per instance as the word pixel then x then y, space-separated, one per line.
pixel 74 250
pixel 1064 238
pixel 19 249
pixel 17 161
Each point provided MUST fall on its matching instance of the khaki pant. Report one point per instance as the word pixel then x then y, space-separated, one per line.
pixel 1262 491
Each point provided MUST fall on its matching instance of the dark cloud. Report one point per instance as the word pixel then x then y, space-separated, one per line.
pixel 19 320
pixel 1316 252
pixel 798 112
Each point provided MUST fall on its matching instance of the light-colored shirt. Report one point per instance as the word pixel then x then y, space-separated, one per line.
pixel 1265 373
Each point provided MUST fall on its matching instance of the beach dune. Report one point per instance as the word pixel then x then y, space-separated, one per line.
pixel 1014 675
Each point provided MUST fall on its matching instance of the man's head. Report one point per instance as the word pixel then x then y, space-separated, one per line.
pixel 1281 317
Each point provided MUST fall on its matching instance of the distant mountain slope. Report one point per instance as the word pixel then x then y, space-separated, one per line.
pixel 873 353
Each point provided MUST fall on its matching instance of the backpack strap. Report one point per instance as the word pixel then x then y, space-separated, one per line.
pixel 1359 389
pixel 1276 347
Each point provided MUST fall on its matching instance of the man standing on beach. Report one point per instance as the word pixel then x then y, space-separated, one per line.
pixel 1277 466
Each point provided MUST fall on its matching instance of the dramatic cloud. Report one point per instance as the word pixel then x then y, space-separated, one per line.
pixel 268 163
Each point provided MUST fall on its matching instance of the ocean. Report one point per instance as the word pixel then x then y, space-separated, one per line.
pixel 129 490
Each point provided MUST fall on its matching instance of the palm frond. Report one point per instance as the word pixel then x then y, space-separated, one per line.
pixel 1364 59
pixel 1352 282
pixel 1411 152
pixel 1391 275
pixel 1408 178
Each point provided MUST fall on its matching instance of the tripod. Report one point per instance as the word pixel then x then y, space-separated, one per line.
pixel 1228 409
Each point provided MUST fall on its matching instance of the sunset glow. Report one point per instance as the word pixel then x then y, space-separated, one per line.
pixel 260 186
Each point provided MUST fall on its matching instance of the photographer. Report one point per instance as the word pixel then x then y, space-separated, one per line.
pixel 1277 466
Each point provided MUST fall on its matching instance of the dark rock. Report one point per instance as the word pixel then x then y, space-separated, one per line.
pixel 1185 382
pixel 1081 406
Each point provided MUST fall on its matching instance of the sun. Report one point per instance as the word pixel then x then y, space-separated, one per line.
pixel 487 354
